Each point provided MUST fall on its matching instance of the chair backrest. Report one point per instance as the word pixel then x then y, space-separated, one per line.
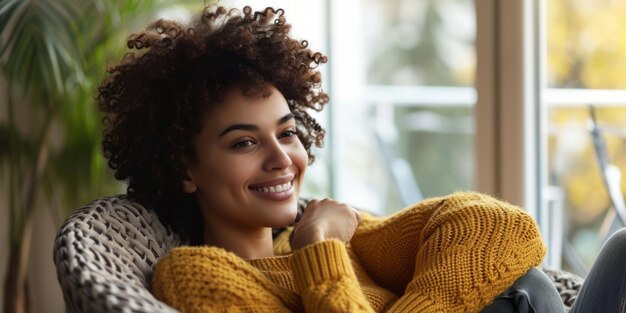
pixel 567 284
pixel 105 254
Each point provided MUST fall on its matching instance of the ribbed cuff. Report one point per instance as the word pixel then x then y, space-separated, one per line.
pixel 320 262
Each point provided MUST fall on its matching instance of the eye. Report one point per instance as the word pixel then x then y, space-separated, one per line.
pixel 288 133
pixel 243 144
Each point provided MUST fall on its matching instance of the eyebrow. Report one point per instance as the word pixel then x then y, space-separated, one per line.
pixel 251 127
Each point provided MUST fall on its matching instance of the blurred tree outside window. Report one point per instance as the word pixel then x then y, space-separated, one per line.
pixel 586 65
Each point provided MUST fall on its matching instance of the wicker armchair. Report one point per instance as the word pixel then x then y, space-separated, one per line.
pixel 105 253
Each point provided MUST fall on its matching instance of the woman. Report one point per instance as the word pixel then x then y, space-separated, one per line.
pixel 208 124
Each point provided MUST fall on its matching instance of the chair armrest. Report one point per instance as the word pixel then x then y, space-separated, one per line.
pixel 104 254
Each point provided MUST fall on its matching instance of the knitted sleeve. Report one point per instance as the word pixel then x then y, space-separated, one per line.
pixel 326 280
pixel 451 254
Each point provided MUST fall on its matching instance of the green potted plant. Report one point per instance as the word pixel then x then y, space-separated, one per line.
pixel 52 57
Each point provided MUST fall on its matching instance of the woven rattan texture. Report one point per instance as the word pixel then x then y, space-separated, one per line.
pixel 567 284
pixel 105 253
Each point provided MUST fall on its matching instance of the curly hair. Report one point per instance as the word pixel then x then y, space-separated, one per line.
pixel 155 99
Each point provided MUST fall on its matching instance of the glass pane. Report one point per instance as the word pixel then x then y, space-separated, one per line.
pixel 574 167
pixel 586 50
pixel 412 42
pixel 400 154
pixel 398 145
pixel 439 144
pixel 586 44
pixel 399 138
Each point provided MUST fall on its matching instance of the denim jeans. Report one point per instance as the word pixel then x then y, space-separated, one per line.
pixel 604 289
pixel 532 293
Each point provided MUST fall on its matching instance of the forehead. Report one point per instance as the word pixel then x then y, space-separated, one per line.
pixel 237 108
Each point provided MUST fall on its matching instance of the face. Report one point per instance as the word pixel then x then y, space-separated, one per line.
pixel 250 163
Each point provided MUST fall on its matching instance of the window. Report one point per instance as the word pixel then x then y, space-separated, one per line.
pixel 402 100
pixel 586 115
pixel 540 65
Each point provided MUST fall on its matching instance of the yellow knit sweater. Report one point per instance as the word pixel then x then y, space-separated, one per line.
pixel 449 254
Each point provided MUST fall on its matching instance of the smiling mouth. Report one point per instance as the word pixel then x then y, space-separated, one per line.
pixel 275 189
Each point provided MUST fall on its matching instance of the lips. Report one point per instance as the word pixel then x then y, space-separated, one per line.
pixel 276 189
pixel 273 183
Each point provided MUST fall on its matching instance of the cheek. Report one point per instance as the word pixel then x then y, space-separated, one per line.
pixel 231 172
pixel 300 158
pixel 238 170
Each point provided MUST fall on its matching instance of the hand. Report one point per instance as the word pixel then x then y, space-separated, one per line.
pixel 322 220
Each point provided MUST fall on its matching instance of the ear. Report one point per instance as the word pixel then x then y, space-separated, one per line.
pixel 189 185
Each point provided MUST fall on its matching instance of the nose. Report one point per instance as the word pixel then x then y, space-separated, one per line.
pixel 277 157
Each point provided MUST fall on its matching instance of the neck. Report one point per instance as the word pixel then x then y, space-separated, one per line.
pixel 246 242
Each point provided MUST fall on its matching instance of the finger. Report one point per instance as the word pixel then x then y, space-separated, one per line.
pixel 309 205
pixel 358 217
pixel 312 202
pixel 329 201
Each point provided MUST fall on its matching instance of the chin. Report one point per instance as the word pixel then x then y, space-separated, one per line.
pixel 285 218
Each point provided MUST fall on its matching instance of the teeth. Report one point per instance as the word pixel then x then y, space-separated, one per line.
pixel 277 188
